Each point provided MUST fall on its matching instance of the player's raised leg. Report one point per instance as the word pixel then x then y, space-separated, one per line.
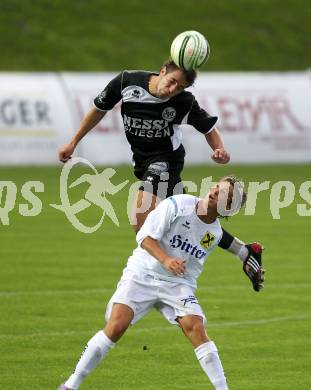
pixel 205 350
pixel 160 180
pixel 145 202
pixel 100 344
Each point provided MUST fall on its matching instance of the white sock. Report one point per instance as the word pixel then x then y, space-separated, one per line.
pixel 239 249
pixel 96 349
pixel 209 360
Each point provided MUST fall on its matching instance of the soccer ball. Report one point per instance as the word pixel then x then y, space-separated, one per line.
pixel 190 50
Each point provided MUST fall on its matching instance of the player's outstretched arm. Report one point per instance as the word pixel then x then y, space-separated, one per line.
pixel 172 264
pixel 250 255
pixel 90 120
pixel 214 139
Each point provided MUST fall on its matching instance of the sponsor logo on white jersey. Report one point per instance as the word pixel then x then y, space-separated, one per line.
pixel 207 240
pixel 183 243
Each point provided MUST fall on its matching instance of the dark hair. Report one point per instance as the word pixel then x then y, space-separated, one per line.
pixel 190 75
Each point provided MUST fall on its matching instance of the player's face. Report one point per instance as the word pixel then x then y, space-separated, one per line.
pixel 170 83
pixel 219 193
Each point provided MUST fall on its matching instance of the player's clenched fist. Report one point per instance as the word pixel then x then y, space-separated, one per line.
pixel 64 153
pixel 175 265
pixel 221 156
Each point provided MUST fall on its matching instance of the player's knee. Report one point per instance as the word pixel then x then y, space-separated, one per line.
pixel 197 328
pixel 195 331
pixel 194 328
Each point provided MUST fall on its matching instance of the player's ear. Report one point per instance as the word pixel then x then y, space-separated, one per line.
pixel 163 71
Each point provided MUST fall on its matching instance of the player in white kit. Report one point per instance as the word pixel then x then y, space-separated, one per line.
pixel 173 244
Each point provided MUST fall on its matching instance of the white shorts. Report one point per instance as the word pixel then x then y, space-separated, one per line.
pixel 144 292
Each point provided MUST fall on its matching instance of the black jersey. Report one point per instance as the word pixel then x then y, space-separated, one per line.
pixel 152 125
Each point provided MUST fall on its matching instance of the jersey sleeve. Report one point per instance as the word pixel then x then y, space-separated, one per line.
pixel 200 119
pixel 111 95
pixel 158 220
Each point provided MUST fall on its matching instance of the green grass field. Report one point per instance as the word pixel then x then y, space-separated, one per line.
pixel 55 282
pixel 102 35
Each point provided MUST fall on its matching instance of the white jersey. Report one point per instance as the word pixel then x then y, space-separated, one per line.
pixel 180 232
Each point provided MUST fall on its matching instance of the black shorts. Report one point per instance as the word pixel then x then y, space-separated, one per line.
pixel 162 178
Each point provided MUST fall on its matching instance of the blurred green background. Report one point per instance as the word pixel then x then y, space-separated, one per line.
pixel 110 35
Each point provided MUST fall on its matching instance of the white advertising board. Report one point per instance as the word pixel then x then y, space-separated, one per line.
pixel 34 118
pixel 264 117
